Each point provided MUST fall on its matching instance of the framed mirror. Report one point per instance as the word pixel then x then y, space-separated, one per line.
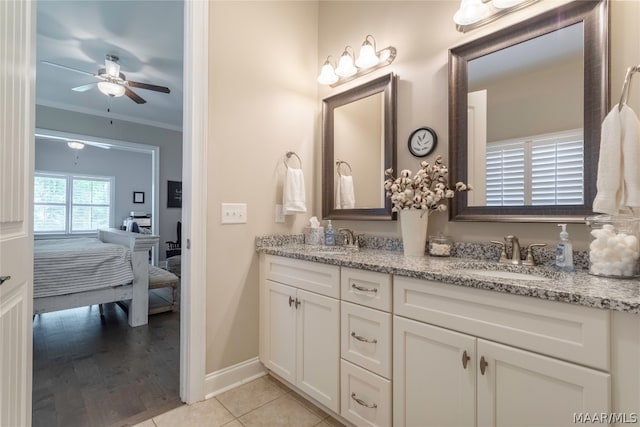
pixel 525 108
pixel 358 144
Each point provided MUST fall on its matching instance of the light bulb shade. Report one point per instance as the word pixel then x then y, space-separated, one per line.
pixel 111 89
pixel 327 74
pixel 367 57
pixel 345 66
pixel 75 145
pixel 505 4
pixel 471 11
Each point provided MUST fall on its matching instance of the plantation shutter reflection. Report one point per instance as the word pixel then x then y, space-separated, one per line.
pixel 541 171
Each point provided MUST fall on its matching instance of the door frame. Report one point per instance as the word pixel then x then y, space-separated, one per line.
pixel 194 213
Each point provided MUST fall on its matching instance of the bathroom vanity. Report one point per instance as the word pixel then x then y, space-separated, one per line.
pixel 380 339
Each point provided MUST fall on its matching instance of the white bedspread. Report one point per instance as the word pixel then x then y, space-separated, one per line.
pixel 66 266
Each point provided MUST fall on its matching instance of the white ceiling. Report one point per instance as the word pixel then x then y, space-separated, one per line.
pixel 146 36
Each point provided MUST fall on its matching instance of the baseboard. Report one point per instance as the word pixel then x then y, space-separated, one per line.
pixel 225 379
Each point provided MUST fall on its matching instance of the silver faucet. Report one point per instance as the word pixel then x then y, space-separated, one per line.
pixel 515 251
pixel 351 240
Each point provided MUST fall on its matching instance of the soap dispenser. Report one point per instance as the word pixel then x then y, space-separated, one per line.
pixel 329 236
pixel 564 251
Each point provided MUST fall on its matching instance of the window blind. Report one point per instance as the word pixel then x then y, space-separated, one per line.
pixel 543 170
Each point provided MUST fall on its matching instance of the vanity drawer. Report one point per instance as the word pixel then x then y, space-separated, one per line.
pixel 366 338
pixel 323 279
pixel 570 332
pixel 366 287
pixel 366 397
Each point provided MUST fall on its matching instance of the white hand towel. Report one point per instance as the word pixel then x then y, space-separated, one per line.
pixel 609 184
pixel 293 197
pixel 345 195
pixel 630 157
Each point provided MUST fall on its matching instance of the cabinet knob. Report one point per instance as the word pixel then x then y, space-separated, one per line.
pixel 483 365
pixel 297 303
pixel 4 279
pixel 465 359
pixel 290 301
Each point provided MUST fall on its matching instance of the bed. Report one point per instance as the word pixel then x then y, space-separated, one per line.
pixel 77 272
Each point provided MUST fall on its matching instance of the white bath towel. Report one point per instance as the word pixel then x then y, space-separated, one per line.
pixel 293 197
pixel 618 183
pixel 345 195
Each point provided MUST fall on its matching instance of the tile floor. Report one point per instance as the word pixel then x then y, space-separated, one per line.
pixel 262 402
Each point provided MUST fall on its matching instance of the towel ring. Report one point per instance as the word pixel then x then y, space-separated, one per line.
pixel 342 162
pixel 288 156
pixel 627 85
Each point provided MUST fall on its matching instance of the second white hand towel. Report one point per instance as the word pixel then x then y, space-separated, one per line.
pixel 609 184
pixel 293 196
pixel 345 195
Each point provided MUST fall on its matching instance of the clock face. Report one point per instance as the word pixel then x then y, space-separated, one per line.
pixel 422 141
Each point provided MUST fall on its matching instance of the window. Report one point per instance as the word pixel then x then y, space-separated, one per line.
pixel 539 171
pixel 68 204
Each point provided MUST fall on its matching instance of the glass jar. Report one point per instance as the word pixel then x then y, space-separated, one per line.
pixel 440 246
pixel 615 246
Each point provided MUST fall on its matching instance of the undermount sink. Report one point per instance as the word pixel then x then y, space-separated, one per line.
pixel 499 274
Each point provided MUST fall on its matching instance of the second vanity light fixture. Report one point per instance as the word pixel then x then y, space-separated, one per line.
pixel 475 13
pixel 368 60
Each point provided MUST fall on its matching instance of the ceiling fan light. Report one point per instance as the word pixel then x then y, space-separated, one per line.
pixel 111 89
pixel 75 145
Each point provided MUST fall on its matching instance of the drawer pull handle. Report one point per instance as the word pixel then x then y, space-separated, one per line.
pixel 4 279
pixel 363 403
pixel 363 339
pixel 360 288
pixel 483 365
pixel 465 359
pixel 290 301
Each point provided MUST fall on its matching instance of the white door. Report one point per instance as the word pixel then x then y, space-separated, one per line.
pixel 318 346
pixel 280 346
pixel 17 106
pixel 433 376
pixel 520 388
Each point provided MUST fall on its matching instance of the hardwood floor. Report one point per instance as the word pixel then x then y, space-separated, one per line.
pixel 90 370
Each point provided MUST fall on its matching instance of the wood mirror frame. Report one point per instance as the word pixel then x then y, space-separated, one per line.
pixel 387 86
pixel 594 16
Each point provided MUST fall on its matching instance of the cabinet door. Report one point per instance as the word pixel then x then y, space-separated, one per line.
pixel 431 385
pixel 520 388
pixel 280 340
pixel 318 345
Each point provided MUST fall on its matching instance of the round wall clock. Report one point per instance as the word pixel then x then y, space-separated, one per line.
pixel 422 141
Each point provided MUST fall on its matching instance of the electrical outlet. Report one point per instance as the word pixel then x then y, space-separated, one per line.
pixel 234 213
pixel 279 214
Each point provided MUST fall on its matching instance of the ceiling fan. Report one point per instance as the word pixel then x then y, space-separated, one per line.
pixel 113 83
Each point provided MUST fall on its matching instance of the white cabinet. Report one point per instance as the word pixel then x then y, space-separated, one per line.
pixel 300 331
pixel 444 377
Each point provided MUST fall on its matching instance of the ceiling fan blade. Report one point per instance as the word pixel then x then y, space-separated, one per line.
pixel 84 88
pixel 149 86
pixel 64 67
pixel 134 96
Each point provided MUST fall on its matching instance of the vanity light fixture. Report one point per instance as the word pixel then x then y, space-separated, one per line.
pixel 111 89
pixel 368 60
pixel 75 145
pixel 475 13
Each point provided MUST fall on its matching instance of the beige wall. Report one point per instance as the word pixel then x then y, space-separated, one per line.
pixel 264 100
pixel 262 103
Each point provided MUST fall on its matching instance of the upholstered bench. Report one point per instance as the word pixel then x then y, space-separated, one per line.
pixel 158 279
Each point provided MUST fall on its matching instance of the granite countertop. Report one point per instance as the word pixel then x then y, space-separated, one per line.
pixel 578 287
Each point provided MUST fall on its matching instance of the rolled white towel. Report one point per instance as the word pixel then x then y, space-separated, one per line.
pixel 345 194
pixel 293 195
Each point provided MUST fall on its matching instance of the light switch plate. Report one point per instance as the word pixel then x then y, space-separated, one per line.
pixel 279 214
pixel 234 213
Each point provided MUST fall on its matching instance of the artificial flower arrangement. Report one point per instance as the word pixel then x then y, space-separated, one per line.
pixel 427 190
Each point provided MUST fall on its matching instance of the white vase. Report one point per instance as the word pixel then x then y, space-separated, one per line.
pixel 413 223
